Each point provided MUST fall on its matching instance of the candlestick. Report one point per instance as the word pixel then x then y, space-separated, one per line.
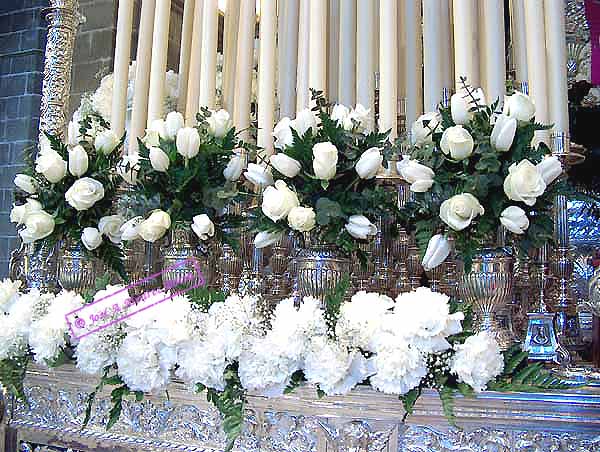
pixel 287 57
pixel 413 62
pixel 347 53
pixel 208 60
pixel 121 67
pixel 193 86
pixel 317 43
pixel 518 39
pixel 142 75
pixel 302 93
pixel 232 20
pixel 446 49
pixel 492 39
pixel 365 55
pixel 158 67
pixel 266 76
pixel 465 50
pixel 432 70
pixel 388 67
pixel 184 53
pixel 244 59
pixel 333 47
pixel 556 51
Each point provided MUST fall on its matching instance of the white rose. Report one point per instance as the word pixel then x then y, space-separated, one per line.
pixel 459 211
pixel 129 229
pixel 84 193
pixel 152 138
pixel 188 142
pixel 457 142
pixel 422 129
pixel 286 165
pixel 524 183
pixel 78 161
pixel 514 219
pixel 283 133
pixel 437 251
pixel 302 219
pixel 420 177
pixel 369 163
pixel 203 226
pixel 173 122
pixel 550 169
pixel 157 130
pixel 462 102
pixel 91 238
pixel 50 164
pixel 219 123
pixel 155 226
pixel 519 106
pixel 265 238
pixel 278 201
pixel 234 168
pixel 259 175
pixel 19 214
pixel 110 226
pixel 359 117
pixel 360 227
pixel 339 113
pixel 503 133
pixel 158 159
pixel 73 136
pixel 38 225
pixel 129 167
pixel 325 158
pixel 106 141
pixel 305 119
pixel 26 183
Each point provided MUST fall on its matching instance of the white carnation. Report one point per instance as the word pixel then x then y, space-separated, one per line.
pixel 477 361
pixel 203 362
pixel 8 293
pixel 399 368
pixel 97 350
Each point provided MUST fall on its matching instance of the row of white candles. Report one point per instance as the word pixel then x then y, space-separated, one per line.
pixel 418 47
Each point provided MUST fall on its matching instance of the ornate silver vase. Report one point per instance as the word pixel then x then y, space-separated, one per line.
pixel 319 268
pixel 141 262
pixel 488 289
pixel 77 270
pixel 39 262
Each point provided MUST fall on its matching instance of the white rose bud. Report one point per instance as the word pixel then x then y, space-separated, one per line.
pixel 129 167
pixel 278 200
pixel 19 214
pixel 514 219
pixel 188 142
pixel 302 219
pixel 524 183
pixel 84 193
pixel 503 133
pixel 462 102
pixel 259 175
pixel 106 141
pixel 26 183
pixel 157 129
pixel 234 168
pixel 459 211
pixel 73 136
pixel 78 161
pixel 550 169
pixel 339 113
pixel 173 122
pixel 325 158
pixel 50 164
pixel 359 117
pixel 219 123
pixel 129 229
pixel 422 129
pixel 158 159
pixel 91 238
pixel 305 119
pixel 283 133
pixel 420 177
pixel 155 226
pixel 519 106
pixel 38 225
pixel 360 227
pixel 203 227
pixel 457 142
pixel 437 251
pixel 286 165
pixel 369 163
pixel 264 238
pixel 110 226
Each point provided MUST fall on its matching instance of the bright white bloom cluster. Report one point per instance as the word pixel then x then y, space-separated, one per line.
pixel 15 319
pixel 478 360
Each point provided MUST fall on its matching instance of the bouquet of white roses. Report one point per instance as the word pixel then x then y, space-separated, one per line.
pixel 473 169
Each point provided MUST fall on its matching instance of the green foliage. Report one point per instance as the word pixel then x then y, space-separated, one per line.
pixel 333 303
pixel 12 375
pixel 409 400
pixel 203 298
pixel 447 398
pixel 296 380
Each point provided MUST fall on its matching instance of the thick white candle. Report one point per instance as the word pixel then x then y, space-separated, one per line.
pixel 160 45
pixel 208 65
pixel 184 53
pixel 193 85
pixel 466 61
pixel 287 56
pixel 413 63
pixel 537 67
pixel 232 19
pixel 432 70
pixel 243 75
pixel 388 66
pixel 556 49
pixel 446 49
pixel 317 70
pixel 121 69
pixel 365 55
pixel 492 55
pixel 347 52
pixel 333 57
pixel 302 93
pixel 266 76
pixel 139 112
pixel 519 40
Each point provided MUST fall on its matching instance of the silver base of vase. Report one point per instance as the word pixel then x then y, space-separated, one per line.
pixel 77 270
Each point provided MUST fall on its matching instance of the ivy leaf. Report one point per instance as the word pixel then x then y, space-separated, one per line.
pixel 408 401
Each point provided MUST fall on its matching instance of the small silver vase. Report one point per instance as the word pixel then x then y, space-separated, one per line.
pixel 77 270
pixel 488 289
pixel 39 261
pixel 142 262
